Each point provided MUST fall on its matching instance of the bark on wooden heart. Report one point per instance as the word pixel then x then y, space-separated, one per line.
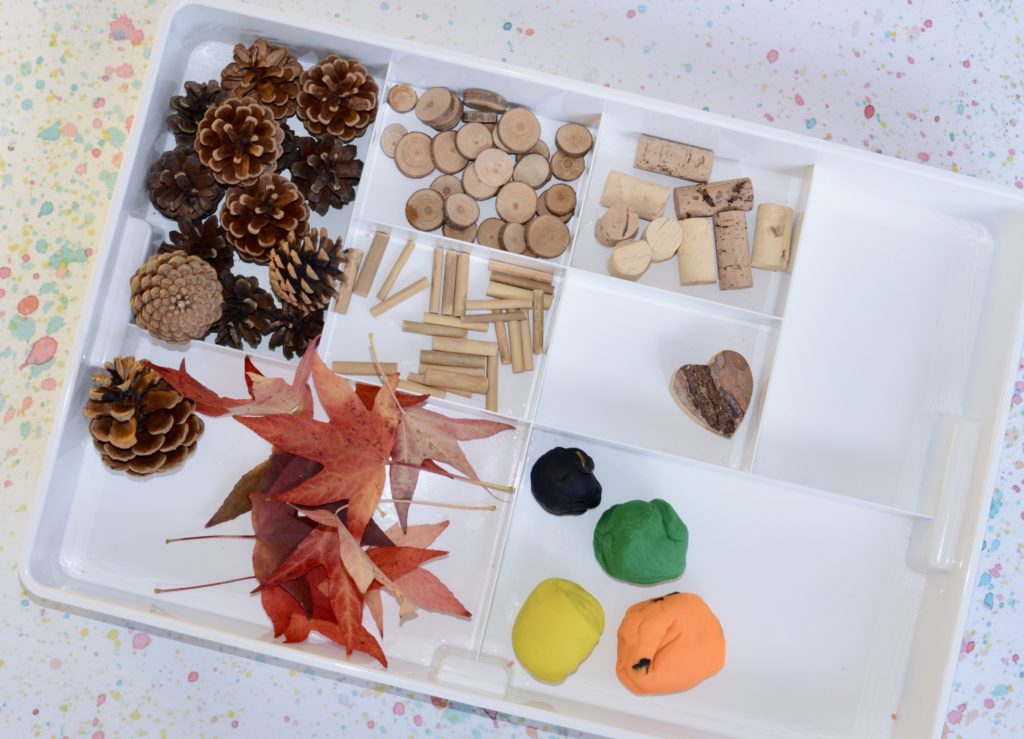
pixel 716 394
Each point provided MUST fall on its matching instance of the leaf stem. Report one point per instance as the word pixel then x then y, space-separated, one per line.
pixel 210 536
pixel 204 585
pixel 458 506
pixel 453 476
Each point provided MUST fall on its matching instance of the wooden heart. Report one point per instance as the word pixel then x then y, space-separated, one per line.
pixel 716 394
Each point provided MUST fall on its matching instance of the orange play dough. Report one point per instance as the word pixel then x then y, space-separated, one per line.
pixel 669 644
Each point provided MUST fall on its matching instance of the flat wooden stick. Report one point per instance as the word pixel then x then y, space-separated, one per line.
pixel 423 381
pixel 396 270
pixel 461 283
pixel 455 381
pixel 501 334
pixel 455 321
pixel 431 329
pixel 465 346
pixel 348 280
pixel 500 304
pixel 526 337
pixel 436 273
pixel 420 388
pixel 402 295
pixel 371 264
pixel 452 359
pixel 508 292
pixel 538 322
pixel 491 399
pixel 362 369
pixel 519 271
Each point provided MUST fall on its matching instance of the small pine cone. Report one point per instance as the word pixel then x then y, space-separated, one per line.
pixel 338 96
pixel 247 314
pixel 190 108
pixel 239 140
pixel 138 422
pixel 294 329
pixel 305 270
pixel 268 74
pixel 257 217
pixel 181 187
pixel 176 297
pixel 205 241
pixel 290 150
pixel 327 172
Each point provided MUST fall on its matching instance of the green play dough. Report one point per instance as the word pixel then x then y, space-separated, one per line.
pixel 641 542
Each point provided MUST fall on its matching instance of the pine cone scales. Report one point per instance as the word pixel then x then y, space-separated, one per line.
pixel 304 271
pixel 181 187
pixel 294 330
pixel 258 217
pixel 176 297
pixel 139 423
pixel 239 140
pixel 247 314
pixel 205 241
pixel 269 74
pixel 190 108
pixel 337 96
pixel 327 172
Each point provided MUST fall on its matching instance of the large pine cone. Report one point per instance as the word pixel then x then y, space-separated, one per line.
pixel 247 314
pixel 327 172
pixel 294 330
pixel 304 270
pixel 190 108
pixel 205 241
pixel 239 140
pixel 176 297
pixel 268 74
pixel 139 423
pixel 338 96
pixel 181 187
pixel 256 218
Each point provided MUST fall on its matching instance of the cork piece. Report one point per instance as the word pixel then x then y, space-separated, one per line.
pixel 565 167
pixel 647 198
pixel 618 223
pixel 396 270
pixel 533 170
pixel 487 233
pixel 472 185
pixel 472 139
pixel 773 232
pixel 673 159
pixel 716 394
pixel 714 197
pixel 574 140
pixel 467 234
pixel 451 261
pixel 547 236
pixel 425 210
pixel 402 98
pixel 664 236
pixel 436 276
pixel 400 297
pixel 479 116
pixel 516 202
pixel 412 155
pixel 439 109
pixel 447 184
pixel 697 262
pixel 446 157
pixel 519 130
pixel 733 250
pixel 629 259
pixel 348 280
pixel 512 237
pixel 560 199
pixel 390 137
pixel 460 210
pixel 493 167
pixel 481 99
pixel 371 264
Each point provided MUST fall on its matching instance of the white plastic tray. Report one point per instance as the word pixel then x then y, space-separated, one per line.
pixel 835 535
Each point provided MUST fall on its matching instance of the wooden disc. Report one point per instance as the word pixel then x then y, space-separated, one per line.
pixel 439 109
pixel 472 185
pixel 539 148
pixel 565 167
pixel 472 139
pixel 629 259
pixel 462 234
pixel 481 99
pixel 446 157
pixel 516 202
pixel 560 199
pixel 574 140
pixel 402 98
pixel 519 130
pixel 513 238
pixel 542 210
pixel 460 210
pixel 425 209
pixel 390 137
pixel 453 117
pixel 498 143
pixel 412 155
pixel 489 231
pixel 493 167
pixel 447 184
pixel 479 116
pixel 664 235
pixel 533 170
pixel 547 236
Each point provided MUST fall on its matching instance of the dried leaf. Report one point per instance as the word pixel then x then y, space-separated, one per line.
pixel 421 535
pixel 368 394
pixel 278 473
pixel 426 591
pixel 375 606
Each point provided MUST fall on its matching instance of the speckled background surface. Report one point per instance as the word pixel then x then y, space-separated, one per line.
pixel 937 83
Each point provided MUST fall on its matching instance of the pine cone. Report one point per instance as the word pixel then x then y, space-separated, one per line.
pixel 259 216
pixel 268 74
pixel 305 270
pixel 294 330
pixel 139 423
pixel 337 96
pixel 205 241
pixel 289 150
pixel 327 172
pixel 181 187
pixel 247 313
pixel 190 108
pixel 239 140
pixel 176 297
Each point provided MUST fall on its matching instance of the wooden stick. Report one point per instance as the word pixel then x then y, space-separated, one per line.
pixel 507 292
pixel 396 270
pixel 439 320
pixel 522 282
pixel 430 329
pixel 452 359
pixel 371 264
pixel 491 399
pixel 362 369
pixel 455 381
pixel 499 304
pixel 526 337
pixel 520 271
pixel 423 381
pixel 420 388
pixel 461 283
pixel 515 341
pixel 471 371
pixel 496 317
pixel 501 334
pixel 465 346
pixel 402 295
pixel 451 260
pixel 538 322
pixel 348 280
pixel 436 273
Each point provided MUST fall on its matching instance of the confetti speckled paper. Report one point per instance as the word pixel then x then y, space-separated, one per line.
pixel 934 83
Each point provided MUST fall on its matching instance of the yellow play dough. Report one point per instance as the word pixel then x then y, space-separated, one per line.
pixel 556 629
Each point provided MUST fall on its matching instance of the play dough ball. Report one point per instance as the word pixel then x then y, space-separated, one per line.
pixel 641 542
pixel 563 482
pixel 669 644
pixel 556 629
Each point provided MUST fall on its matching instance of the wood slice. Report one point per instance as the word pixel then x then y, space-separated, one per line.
pixel 519 130
pixel 489 231
pixel 498 143
pixel 452 117
pixel 479 116
pixel 629 259
pixel 618 223
pixel 533 170
pixel 390 137
pixel 542 209
pixel 467 234
pixel 481 99
pixel 447 184
pixel 574 140
pixel 513 238
pixel 493 167
pixel 516 202
pixel 412 155
pixel 539 148
pixel 560 199
pixel 565 167
pixel 473 186
pixel 446 157
pixel 402 98
pixel 472 139
pixel 425 209
pixel 460 210
pixel 434 105
pixel 664 236
pixel 547 236
pixel 716 394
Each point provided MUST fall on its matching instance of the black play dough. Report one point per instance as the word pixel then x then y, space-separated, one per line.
pixel 563 482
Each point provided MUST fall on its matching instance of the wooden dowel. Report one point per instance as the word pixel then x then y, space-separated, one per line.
pixel 451 260
pixel 436 273
pixel 423 381
pixel 522 282
pixel 508 292
pixel 461 283
pixel 371 264
pixel 452 359
pixel 515 341
pixel 520 271
pixel 465 346
pixel 498 316
pixel 491 399
pixel 455 381
pixel 404 294
pixel 439 320
pixel 538 322
pixel 362 369
pixel 420 388
pixel 526 337
pixel 396 270
pixel 431 329
pixel 501 334
pixel 471 371
pixel 500 304
pixel 348 280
